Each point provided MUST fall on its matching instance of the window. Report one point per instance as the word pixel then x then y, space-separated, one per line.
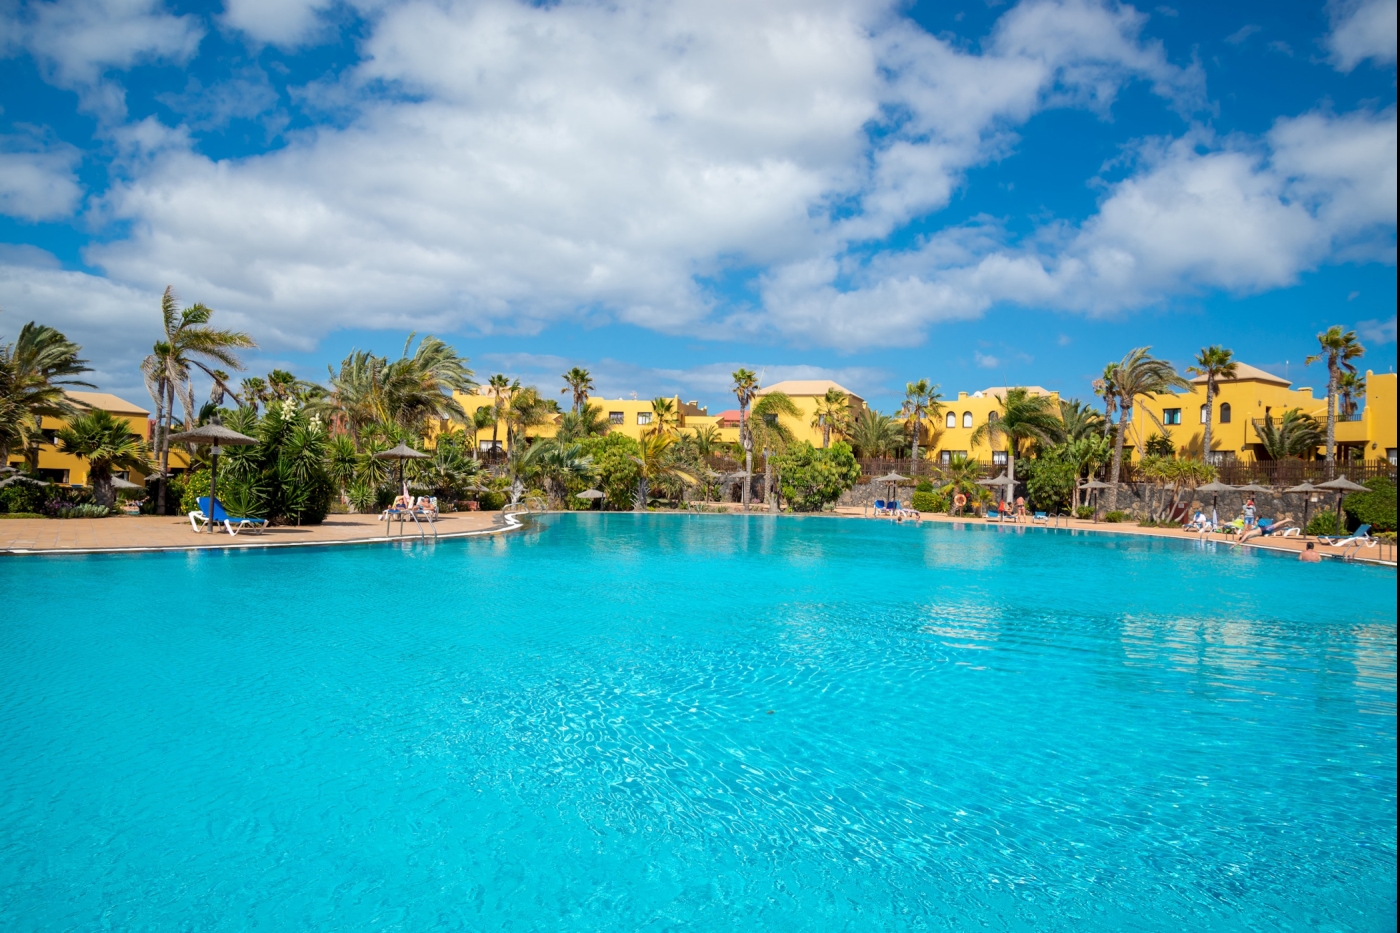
pixel 994 416
pixel 1205 415
pixel 999 458
pixel 771 420
pixel 1224 412
pixel 1171 416
pixel 489 446
pixel 946 457
pixel 952 420
pixel 967 419
pixel 614 417
pixel 644 417
pixel 1390 455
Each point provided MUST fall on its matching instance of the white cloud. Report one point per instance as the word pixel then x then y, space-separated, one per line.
pixel 1362 29
pixel 1377 331
pixel 76 42
pixel 277 22
pixel 37 178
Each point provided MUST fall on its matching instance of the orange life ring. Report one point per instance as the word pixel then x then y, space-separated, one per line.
pixel 960 500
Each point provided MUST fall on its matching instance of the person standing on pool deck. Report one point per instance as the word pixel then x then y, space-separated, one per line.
pixel 1309 556
pixel 1249 511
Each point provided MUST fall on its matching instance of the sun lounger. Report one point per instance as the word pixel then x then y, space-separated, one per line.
pixel 1363 533
pixel 234 524
pixel 427 507
pixel 1362 538
pixel 1041 517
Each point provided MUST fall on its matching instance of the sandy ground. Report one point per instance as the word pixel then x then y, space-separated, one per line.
pixel 139 532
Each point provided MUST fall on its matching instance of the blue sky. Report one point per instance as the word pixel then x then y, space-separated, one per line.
pixel 973 193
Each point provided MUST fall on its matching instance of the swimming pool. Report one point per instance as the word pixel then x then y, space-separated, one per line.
pixel 619 722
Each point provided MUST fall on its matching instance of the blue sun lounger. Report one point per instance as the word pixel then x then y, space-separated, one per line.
pixel 201 517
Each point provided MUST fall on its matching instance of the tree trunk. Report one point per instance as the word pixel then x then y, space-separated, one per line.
pixel 914 452
pixel 640 505
pixel 747 440
pixel 1210 416
pixel 31 453
pixel 769 493
pixel 1011 475
pixel 101 485
pixel 1124 412
pixel 1331 419
pixel 826 434
pixel 156 444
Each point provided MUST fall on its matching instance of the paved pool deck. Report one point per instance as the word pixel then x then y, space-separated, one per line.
pixel 156 533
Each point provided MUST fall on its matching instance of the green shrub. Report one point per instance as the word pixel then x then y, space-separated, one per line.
pixel 1115 516
pixel 1050 483
pixel 23 497
pixel 925 501
pixel 493 501
pixel 196 485
pixel 1084 511
pixel 1375 508
pixel 1323 523
pixel 811 477
pixel 86 510
pixel 613 464
pixel 924 486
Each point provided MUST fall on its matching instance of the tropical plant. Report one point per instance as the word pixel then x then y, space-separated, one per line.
pixel 502 389
pixel 255 392
pixel 588 421
pixel 1086 454
pixel 1050 482
pixel 404 394
pixel 1106 387
pixel 653 464
pixel 285 477
pixel 449 471
pixel 1295 434
pixel 107 444
pixel 812 478
pixel 187 341
pixel 1140 374
pixel 664 417
pixel 528 409
pixel 921 400
pixel 34 372
pixel 745 387
pixel 580 383
pixel 772 435
pixel 1338 349
pixel 960 475
pixel 1214 363
pixel 1351 386
pixel 556 462
pixel 1160 445
pixel 873 434
pixel 615 467
pixel 1023 418
pixel 707 440
pixel 1376 507
pixel 832 414
pixel 1079 420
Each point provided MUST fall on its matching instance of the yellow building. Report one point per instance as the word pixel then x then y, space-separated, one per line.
pixel 629 416
pixel 66 469
pixel 1242 403
pixel 949 434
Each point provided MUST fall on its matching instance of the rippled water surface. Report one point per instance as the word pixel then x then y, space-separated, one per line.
pixel 649 723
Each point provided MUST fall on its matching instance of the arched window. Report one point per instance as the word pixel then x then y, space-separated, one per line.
pixel 994 416
pixel 967 419
pixel 1205 414
pixel 1224 412
pixel 952 420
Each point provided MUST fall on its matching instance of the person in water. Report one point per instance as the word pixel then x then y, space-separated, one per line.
pixel 1309 555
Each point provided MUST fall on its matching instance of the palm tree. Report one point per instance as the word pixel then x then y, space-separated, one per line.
pixel 1215 363
pixel 874 434
pixel 1079 420
pixel 921 400
pixel 745 387
pixel 1024 417
pixel 664 417
pixel 556 461
pixel 34 371
pixel 588 421
pixel 1105 386
pixel 188 341
pixel 528 409
pixel 580 383
pixel 833 413
pixel 1350 387
pixel 770 434
pixel 502 390
pixel 254 392
pixel 1086 454
pixel 707 440
pixel 1295 435
pixel 1139 374
pixel 1338 349
pixel 960 475
pixel 107 444
pixel 653 464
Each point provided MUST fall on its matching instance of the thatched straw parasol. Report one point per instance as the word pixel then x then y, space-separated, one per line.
pixel 216 437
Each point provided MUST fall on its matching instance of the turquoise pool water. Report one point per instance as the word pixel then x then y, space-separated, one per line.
pixel 646 723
